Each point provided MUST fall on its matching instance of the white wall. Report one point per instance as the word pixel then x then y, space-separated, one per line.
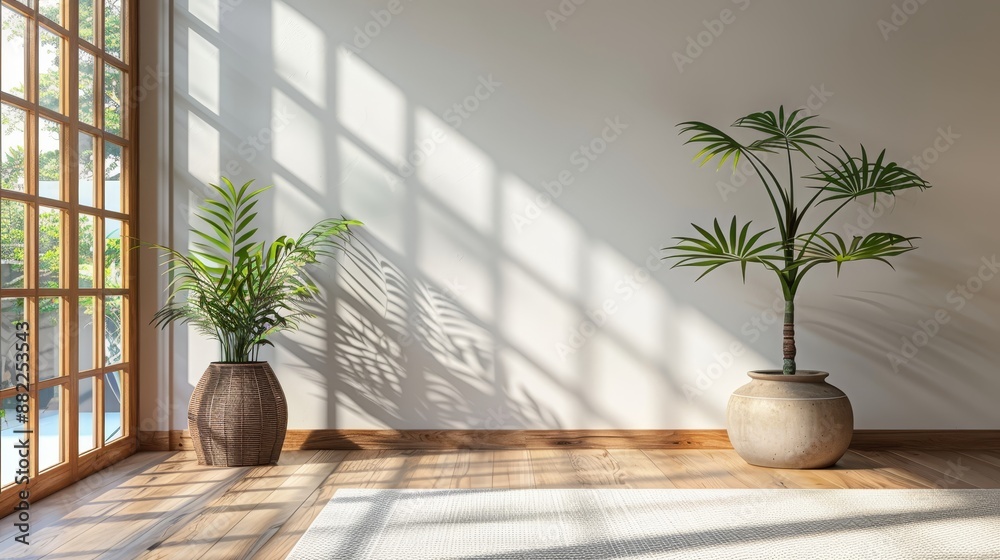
pixel 485 275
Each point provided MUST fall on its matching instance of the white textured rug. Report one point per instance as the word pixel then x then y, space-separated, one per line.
pixel 772 524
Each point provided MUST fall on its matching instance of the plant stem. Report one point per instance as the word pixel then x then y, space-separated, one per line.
pixel 788 341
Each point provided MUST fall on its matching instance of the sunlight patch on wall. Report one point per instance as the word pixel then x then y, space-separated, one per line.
pixel 539 323
pixel 371 107
pixel 453 169
pixel 373 193
pixel 630 391
pixel 286 200
pixel 206 11
pixel 453 259
pixel 203 71
pixel 297 143
pixel 626 296
pixel 549 243
pixel 299 52
pixel 710 362
pixel 202 150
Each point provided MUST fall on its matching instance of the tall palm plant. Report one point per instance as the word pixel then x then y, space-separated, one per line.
pixel 838 178
pixel 240 291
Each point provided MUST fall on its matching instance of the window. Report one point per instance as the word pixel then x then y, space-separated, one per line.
pixel 67 198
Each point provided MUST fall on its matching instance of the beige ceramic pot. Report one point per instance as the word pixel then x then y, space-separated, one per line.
pixel 790 421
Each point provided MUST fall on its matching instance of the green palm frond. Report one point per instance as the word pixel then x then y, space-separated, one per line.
pixel 829 247
pixel 715 143
pixel 852 177
pixel 714 249
pixel 237 290
pixel 783 133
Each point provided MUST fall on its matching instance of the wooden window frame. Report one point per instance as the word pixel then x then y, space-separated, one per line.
pixel 76 466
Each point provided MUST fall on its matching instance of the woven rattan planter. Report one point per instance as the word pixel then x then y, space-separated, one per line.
pixel 238 415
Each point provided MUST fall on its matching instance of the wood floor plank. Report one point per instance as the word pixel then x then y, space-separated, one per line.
pixel 110 537
pixel 956 466
pixel 107 501
pixel 759 477
pixel 58 505
pixel 857 471
pixel 551 468
pixel 512 469
pixel 253 531
pixel 921 475
pixel 991 457
pixel 434 470
pixel 638 471
pixel 474 469
pixel 693 468
pixel 211 523
pixel 140 499
pixel 575 468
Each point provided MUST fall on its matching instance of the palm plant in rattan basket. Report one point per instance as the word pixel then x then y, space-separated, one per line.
pixel 240 291
pixel 837 178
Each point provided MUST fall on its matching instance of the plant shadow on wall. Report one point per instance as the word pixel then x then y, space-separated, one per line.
pixel 404 352
pixel 947 327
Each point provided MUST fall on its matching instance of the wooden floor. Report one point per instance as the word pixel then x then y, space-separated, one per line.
pixel 163 505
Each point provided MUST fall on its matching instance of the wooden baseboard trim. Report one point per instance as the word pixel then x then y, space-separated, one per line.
pixel 180 440
pixel 930 440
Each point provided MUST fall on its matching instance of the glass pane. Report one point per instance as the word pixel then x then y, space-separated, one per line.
pixel 9 425
pixel 49 247
pixel 12 311
pixel 85 165
pixel 51 9
pixel 87 20
pixel 112 253
pixel 88 102
pixel 12 224
pixel 49 76
pixel 85 334
pixel 113 34
pixel 113 96
pixel 49 166
pixel 112 177
pixel 112 406
pixel 49 338
pixel 12 166
pixel 12 52
pixel 87 251
pixel 112 330
pixel 49 427
pixel 88 420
